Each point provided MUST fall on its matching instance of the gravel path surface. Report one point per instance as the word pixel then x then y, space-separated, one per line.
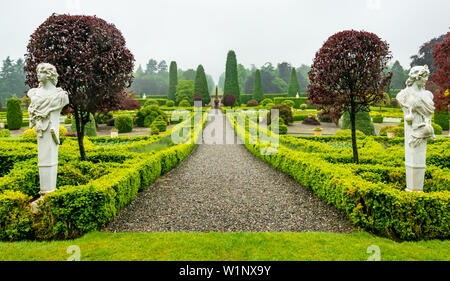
pixel 223 187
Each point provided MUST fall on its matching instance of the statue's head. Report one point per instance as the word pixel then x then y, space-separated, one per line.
pixel 47 72
pixel 418 75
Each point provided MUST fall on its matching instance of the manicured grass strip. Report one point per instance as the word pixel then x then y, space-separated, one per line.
pixel 100 246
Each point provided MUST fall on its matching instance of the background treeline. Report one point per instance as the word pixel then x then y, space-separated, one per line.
pixel 154 79
pixel 274 79
pixel 12 80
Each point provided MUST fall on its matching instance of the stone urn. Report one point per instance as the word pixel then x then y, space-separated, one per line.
pixel 390 134
pixel 2 125
pixel 318 132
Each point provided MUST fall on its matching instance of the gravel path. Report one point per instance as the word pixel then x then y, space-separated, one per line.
pixel 223 187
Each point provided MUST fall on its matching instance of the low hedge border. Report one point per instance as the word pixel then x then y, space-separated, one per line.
pixel 376 207
pixel 72 211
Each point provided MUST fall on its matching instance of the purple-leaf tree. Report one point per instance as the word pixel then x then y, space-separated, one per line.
pixel 93 64
pixel 349 74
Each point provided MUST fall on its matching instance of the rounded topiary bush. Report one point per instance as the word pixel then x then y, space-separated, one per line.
pixel 265 102
pixel 289 103
pixel 303 106
pixel 184 103
pixel 310 120
pixel 146 116
pixel 14 115
pixel 252 103
pixel 363 123
pixel 151 102
pixel 284 111
pixel 160 124
pixel 170 103
pixel 124 123
pixel 154 130
pixel 229 100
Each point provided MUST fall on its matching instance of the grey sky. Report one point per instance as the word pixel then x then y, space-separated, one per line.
pixel 194 32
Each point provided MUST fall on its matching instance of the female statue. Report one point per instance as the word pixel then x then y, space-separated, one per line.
pixel 418 107
pixel 47 101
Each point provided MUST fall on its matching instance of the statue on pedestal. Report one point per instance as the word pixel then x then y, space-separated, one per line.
pixel 418 107
pixel 47 101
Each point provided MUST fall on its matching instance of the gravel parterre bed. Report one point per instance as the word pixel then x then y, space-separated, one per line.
pixel 225 188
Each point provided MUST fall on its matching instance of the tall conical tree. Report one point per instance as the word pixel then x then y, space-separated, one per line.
pixel 258 93
pixel 173 80
pixel 294 86
pixel 231 85
pixel 201 85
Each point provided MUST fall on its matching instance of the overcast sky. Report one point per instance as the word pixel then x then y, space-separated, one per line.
pixel 193 32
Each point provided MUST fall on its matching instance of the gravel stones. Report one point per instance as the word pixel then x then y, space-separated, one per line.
pixel 224 188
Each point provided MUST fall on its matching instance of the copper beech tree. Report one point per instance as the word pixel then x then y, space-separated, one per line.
pixel 441 77
pixel 349 74
pixel 92 61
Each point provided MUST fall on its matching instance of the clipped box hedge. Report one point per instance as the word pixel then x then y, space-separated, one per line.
pixel 118 169
pixel 379 207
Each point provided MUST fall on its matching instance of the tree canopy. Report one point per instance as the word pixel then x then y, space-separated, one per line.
pixel 441 77
pixel 92 60
pixel 348 74
pixel 425 55
pixel 12 80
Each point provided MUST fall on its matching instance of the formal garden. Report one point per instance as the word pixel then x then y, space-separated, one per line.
pixel 317 172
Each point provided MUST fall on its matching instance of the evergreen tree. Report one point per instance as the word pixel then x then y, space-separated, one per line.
pixel 283 70
pixel 258 93
pixel 139 72
pixel 152 67
pixel 398 76
pixel 173 80
pixel 294 87
pixel 162 67
pixel 201 85
pixel 14 115
pixel 231 85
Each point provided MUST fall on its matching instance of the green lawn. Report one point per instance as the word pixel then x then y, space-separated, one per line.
pixel 226 246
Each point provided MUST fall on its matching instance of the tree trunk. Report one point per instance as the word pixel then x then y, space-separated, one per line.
pixel 353 123
pixel 80 133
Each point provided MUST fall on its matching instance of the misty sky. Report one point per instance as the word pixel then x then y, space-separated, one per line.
pixel 193 32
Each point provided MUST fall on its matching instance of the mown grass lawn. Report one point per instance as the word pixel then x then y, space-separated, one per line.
pixel 214 246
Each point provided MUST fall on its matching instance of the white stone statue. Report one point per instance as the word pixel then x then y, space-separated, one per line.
pixel 46 104
pixel 418 107
pixel 297 96
pixel 144 96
